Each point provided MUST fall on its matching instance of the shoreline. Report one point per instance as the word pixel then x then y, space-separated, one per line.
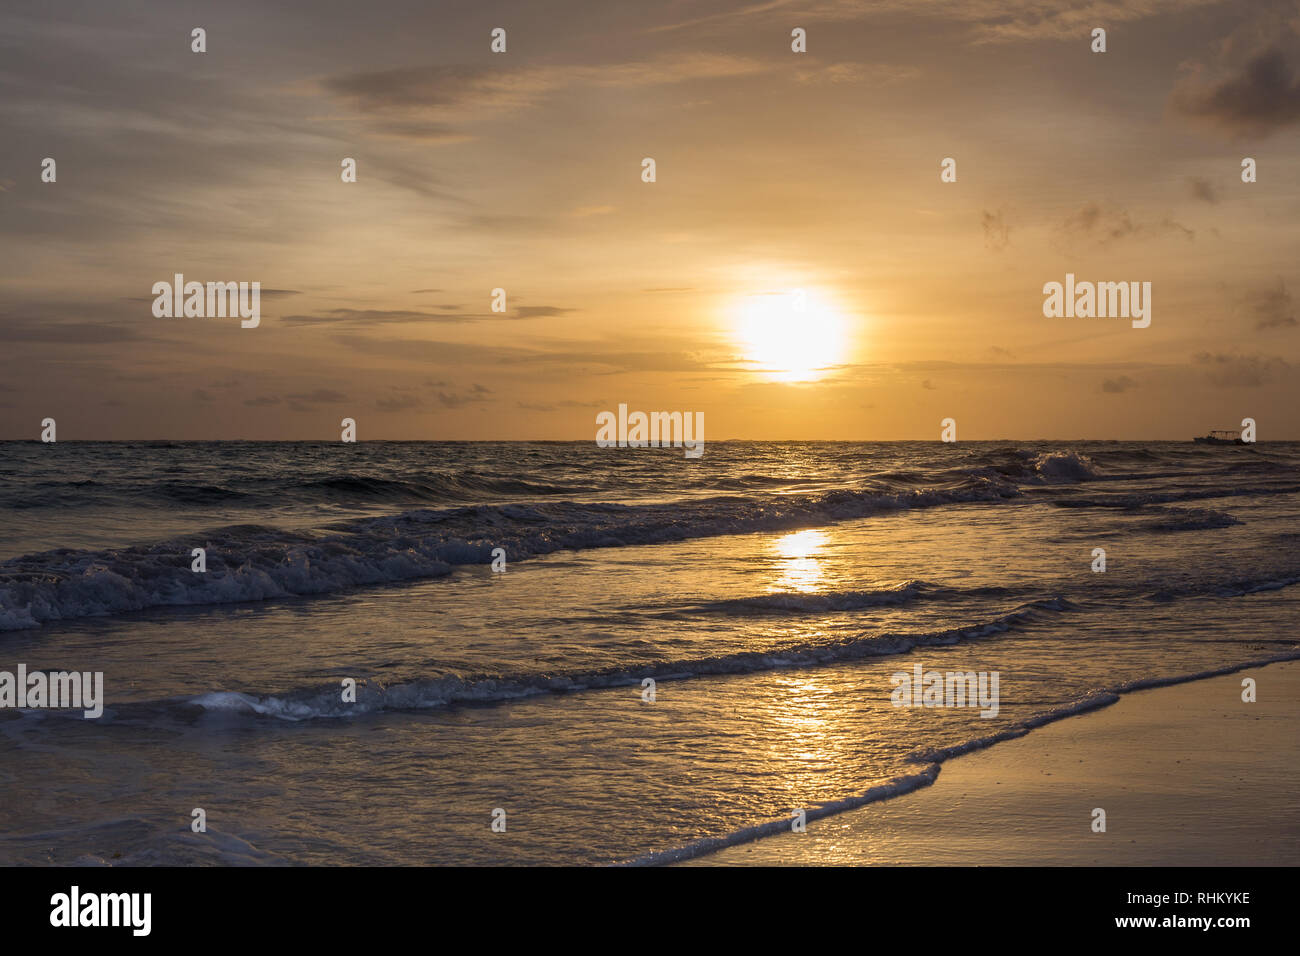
pixel 1186 772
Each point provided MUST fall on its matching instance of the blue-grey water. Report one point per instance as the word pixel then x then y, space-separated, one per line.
pixel 769 589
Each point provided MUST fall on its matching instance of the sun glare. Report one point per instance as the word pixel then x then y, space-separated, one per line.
pixel 799 567
pixel 790 337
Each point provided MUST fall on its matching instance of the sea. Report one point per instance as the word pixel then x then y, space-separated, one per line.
pixel 502 653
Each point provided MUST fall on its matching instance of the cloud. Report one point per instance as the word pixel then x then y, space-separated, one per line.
pixel 550 407
pixel 1093 223
pixel 1273 308
pixel 476 393
pixel 309 401
pixel 1203 190
pixel 1116 386
pixel 398 403
pixel 1241 371
pixel 66 333
pixel 320 395
pixel 369 317
pixel 989 21
pixel 431 103
pixel 1260 98
pixel 880 74
pixel 262 401
pixel 450 315
pixel 539 311
pixel 996 232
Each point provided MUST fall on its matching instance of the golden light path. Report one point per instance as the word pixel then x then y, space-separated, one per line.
pixel 800 568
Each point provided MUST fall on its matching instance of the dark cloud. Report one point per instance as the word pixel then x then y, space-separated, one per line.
pixel 398 403
pixel 1116 386
pixel 553 406
pixel 424 87
pixel 435 103
pixel 365 317
pixel 320 395
pixel 996 232
pixel 1272 308
pixel 66 333
pixel 1262 97
pixel 1241 371
pixel 539 311
pixel 309 401
pixel 1203 190
pixel 1093 223
pixel 461 399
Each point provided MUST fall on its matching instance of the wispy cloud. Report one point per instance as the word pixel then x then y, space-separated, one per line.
pixel 435 103
pixel 1241 371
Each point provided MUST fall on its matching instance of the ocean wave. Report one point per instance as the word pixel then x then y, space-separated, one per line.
pixel 256 563
pixel 1063 466
pixel 1241 587
pixel 801 602
pixel 1135 500
pixel 1187 519
pixel 251 491
pixel 438 487
pixel 326 702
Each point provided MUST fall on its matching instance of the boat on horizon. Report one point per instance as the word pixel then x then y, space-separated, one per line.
pixel 1221 437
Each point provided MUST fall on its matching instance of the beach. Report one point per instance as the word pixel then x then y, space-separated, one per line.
pixel 666 660
pixel 1188 774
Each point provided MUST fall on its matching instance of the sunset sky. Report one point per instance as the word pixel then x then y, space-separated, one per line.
pixel 776 171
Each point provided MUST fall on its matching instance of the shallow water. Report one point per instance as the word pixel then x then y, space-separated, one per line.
pixel 770 590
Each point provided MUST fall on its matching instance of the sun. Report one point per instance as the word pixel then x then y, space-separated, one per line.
pixel 790 337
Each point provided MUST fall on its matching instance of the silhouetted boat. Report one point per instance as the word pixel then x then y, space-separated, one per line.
pixel 1220 438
